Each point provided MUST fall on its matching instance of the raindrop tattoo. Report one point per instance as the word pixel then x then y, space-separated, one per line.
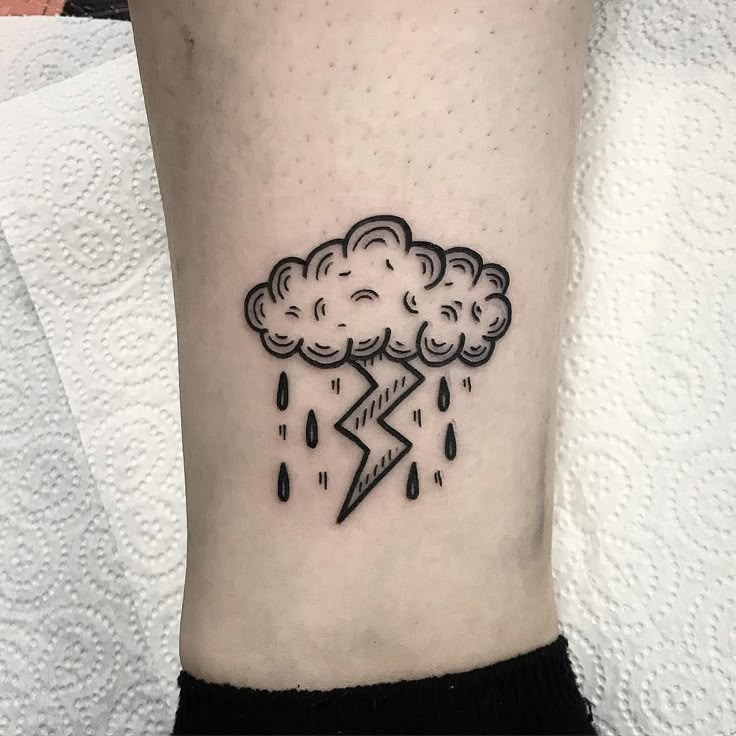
pixel 393 309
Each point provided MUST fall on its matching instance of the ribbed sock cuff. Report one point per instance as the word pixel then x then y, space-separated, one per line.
pixel 531 693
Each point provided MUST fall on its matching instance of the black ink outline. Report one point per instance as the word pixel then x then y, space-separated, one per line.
pixel 450 447
pixel 282 392
pixel 427 343
pixel 364 293
pixel 443 395
pixel 283 484
pixel 412 483
pixel 351 501
pixel 311 430
pixel 436 261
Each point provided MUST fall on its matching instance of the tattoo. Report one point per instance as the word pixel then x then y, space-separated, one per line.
pixel 389 308
pixel 312 430
pixel 450 443
pixel 443 395
pixel 283 483
pixel 282 393
pixel 412 483
pixel 389 383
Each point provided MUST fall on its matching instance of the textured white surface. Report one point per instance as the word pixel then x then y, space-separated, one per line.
pixel 72 655
pixel 645 546
pixel 645 540
pixel 73 658
pixel 38 51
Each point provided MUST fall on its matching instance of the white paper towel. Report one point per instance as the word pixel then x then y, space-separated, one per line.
pixel 645 539
pixel 73 659
pixel 81 211
pixel 38 51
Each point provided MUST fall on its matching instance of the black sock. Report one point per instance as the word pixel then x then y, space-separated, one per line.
pixel 532 693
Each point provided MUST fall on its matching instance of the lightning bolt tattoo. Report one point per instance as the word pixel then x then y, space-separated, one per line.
pixel 364 423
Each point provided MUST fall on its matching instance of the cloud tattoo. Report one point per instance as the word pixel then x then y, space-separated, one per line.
pixel 376 292
pixel 375 300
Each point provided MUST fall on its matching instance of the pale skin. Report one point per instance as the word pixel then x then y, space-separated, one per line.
pixel 276 127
